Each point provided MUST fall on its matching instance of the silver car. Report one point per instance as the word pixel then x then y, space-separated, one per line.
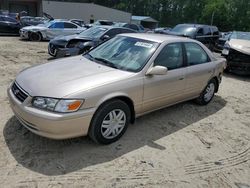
pixel 100 93
pixel 50 30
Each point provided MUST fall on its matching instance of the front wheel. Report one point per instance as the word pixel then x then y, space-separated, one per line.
pixel 110 122
pixel 208 93
pixel 35 36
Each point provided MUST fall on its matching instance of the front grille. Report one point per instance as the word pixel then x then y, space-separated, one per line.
pixel 18 92
pixel 237 56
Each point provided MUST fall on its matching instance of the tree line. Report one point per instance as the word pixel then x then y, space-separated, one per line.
pixel 227 15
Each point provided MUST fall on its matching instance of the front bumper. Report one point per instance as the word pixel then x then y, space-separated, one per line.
pixel 238 62
pixel 24 34
pixel 58 51
pixel 50 124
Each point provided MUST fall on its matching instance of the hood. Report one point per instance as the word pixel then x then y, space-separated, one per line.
pixel 67 76
pixel 240 45
pixel 34 27
pixel 70 37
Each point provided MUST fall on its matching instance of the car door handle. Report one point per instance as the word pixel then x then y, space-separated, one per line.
pixel 182 78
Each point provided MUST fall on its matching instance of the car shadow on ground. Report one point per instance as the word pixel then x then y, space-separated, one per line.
pixel 52 157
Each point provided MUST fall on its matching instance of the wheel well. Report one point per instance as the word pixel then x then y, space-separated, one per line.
pixel 130 104
pixel 38 32
pixel 217 83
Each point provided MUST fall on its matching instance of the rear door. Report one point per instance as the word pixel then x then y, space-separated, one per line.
pixel 70 28
pixel 55 29
pixel 163 90
pixel 200 68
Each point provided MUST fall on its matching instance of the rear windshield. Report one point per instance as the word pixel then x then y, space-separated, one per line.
pixel 184 30
pixel 94 32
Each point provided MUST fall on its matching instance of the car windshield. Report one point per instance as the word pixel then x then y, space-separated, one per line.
pixel 240 35
pixel 94 32
pixel 184 30
pixel 125 53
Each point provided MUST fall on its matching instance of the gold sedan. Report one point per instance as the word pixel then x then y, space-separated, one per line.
pixel 100 93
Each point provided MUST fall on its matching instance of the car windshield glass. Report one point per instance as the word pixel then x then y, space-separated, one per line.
pixel 125 53
pixel 184 30
pixel 241 35
pixel 94 32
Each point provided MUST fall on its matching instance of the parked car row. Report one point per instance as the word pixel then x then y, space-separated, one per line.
pixel 73 37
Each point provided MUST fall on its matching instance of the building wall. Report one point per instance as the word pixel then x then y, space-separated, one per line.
pixel 33 7
pixel 84 11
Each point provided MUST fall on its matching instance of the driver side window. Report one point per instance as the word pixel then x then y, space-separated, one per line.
pixel 170 56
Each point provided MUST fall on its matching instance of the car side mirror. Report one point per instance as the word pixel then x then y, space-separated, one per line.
pixel 157 70
pixel 105 37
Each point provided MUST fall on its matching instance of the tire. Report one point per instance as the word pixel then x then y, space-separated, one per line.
pixel 105 126
pixel 84 50
pixel 35 36
pixel 208 93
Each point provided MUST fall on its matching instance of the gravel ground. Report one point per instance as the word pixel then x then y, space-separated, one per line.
pixel 185 145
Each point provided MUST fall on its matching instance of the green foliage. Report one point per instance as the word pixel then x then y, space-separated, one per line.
pixel 228 15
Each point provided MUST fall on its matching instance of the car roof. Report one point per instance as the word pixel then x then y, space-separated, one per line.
pixel 159 38
pixel 198 25
pixel 111 27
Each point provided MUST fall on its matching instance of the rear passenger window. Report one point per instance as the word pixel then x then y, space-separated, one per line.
pixel 170 56
pixel 113 32
pixel 207 31
pixel 200 32
pixel 126 31
pixel 57 25
pixel 195 54
pixel 69 25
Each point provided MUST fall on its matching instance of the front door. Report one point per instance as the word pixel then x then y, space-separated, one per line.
pixel 163 90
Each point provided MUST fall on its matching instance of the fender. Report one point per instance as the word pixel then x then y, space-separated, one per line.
pixel 111 96
pixel 86 44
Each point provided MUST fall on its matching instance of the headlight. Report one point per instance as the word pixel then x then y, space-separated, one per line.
pixel 226 46
pixel 57 105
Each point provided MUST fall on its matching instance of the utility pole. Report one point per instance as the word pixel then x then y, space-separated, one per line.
pixel 212 18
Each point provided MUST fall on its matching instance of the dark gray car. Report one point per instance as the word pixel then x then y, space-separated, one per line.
pixel 77 44
pixel 206 34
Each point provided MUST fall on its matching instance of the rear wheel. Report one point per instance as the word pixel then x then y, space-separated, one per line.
pixel 35 36
pixel 208 93
pixel 110 122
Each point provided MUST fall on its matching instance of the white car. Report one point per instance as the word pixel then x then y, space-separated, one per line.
pixel 50 30
pixel 237 52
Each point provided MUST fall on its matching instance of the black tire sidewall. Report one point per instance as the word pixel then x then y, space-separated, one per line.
pixel 39 36
pixel 95 127
pixel 201 100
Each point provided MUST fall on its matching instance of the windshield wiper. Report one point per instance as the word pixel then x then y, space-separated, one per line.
pixel 106 62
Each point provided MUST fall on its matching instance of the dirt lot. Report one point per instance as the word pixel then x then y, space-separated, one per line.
pixel 182 146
